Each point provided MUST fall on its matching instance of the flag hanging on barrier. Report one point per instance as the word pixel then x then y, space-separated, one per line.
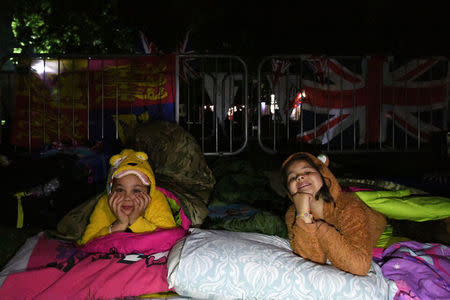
pixel 279 68
pixel 86 98
pixel 188 68
pixel 370 95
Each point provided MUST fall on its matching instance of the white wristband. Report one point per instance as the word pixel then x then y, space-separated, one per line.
pixel 110 228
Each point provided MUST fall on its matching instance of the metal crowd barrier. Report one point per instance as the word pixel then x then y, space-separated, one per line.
pixel 335 103
pixel 213 100
pixel 72 97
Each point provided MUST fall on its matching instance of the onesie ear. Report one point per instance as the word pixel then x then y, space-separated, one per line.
pixel 141 155
pixel 116 159
pixel 324 159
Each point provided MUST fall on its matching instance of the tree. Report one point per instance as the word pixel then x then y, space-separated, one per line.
pixel 66 27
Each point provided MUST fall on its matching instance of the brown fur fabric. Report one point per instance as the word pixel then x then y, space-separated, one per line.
pixel 347 237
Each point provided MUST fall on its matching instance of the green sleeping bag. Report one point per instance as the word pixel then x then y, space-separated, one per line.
pixel 401 205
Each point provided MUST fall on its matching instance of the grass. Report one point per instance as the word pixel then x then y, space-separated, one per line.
pixel 12 239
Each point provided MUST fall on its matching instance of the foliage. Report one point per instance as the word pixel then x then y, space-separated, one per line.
pixel 64 27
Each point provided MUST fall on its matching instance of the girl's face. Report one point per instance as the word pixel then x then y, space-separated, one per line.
pixel 128 187
pixel 303 178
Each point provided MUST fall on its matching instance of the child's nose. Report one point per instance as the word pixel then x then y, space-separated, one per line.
pixel 128 196
pixel 300 177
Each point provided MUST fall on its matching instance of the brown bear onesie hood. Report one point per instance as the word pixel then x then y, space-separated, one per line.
pixel 350 231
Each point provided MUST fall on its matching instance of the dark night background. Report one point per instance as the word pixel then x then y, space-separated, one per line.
pixel 251 27
pixel 258 28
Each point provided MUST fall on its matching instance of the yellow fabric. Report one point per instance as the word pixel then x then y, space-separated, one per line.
pixel 157 214
pixel 129 159
pixel 162 295
pixel 20 216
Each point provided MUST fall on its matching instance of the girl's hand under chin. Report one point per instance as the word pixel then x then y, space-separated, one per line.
pixel 302 201
pixel 115 202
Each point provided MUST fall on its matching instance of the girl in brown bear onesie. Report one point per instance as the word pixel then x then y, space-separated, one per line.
pixel 325 223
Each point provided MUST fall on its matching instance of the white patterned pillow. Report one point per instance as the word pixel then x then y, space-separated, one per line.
pixel 220 264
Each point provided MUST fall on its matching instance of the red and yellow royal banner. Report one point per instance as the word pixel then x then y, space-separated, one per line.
pixel 58 99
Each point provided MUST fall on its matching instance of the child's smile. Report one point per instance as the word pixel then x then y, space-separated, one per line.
pixel 303 185
pixel 127 209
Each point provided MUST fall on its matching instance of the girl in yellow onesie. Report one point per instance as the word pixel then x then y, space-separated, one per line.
pixel 132 202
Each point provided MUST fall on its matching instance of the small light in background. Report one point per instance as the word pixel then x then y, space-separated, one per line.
pixel 273 104
pixel 234 109
pixel 208 107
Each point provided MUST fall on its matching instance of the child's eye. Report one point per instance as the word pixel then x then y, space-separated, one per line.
pixel 137 191
pixel 118 190
pixel 292 179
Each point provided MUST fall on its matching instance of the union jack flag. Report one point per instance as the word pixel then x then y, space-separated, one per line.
pixel 188 69
pixel 148 47
pixel 279 68
pixel 376 94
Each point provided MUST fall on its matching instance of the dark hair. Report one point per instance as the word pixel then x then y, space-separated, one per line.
pixel 324 190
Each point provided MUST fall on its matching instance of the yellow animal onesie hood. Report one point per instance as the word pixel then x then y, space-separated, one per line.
pixel 131 162
pixel 157 214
